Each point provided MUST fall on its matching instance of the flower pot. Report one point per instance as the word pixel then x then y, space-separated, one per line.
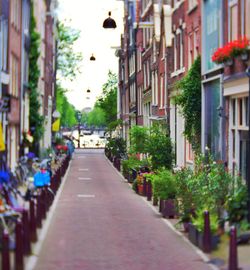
pixel 186 226
pixel 244 56
pixel 155 201
pixel 169 209
pixel 214 241
pixel 228 62
pixel 140 189
pixel 193 234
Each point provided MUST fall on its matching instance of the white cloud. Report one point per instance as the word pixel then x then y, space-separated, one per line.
pixel 88 17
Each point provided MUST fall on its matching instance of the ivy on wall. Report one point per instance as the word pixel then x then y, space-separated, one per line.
pixel 35 118
pixel 189 101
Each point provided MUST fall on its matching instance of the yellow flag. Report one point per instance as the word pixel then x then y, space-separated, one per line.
pixel 56 125
pixel 2 144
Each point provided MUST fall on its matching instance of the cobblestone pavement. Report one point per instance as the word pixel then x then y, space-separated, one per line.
pixel 101 224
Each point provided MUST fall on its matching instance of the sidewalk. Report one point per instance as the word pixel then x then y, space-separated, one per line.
pixel 99 223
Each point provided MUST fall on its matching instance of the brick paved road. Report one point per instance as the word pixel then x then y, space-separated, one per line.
pixel 101 224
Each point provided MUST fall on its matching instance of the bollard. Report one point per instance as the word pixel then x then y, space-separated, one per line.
pixel 32 223
pixel 144 186
pixel 26 233
pixel 19 260
pixel 207 245
pixel 233 255
pixel 149 191
pixel 38 212
pixel 52 183
pixel 5 251
pixel 119 164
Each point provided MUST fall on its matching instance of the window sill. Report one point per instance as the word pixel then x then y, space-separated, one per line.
pixel 178 72
pixel 193 8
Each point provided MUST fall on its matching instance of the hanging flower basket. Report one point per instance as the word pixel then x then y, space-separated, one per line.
pixel 232 49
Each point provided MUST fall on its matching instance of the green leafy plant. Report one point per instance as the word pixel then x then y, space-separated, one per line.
pixel 236 204
pixel 189 101
pixel 116 146
pixel 198 221
pixel 131 163
pixel 159 147
pixel 185 194
pixel 164 185
pixel 138 136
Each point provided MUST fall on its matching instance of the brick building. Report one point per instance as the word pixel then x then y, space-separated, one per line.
pixel 15 65
pixel 236 87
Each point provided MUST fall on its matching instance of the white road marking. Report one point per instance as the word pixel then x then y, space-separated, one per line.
pixel 81 157
pixel 85 196
pixel 84 178
pixel 81 170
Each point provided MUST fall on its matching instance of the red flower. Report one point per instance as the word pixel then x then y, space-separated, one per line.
pixel 231 49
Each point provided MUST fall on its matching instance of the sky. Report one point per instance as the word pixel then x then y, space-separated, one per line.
pixel 88 17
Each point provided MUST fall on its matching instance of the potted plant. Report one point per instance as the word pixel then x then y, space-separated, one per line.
pixel 164 188
pixel 198 223
pixel 186 195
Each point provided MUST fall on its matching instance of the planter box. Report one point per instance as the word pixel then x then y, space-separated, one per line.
pixel 215 239
pixel 140 189
pixel 193 234
pixel 169 209
pixel 196 238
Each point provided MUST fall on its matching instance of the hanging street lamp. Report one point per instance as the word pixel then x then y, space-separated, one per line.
pixel 92 58
pixel 109 22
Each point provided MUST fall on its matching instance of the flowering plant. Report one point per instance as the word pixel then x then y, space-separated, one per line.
pixel 27 138
pixel 231 49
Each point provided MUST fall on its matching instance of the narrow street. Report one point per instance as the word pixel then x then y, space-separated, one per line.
pixel 99 223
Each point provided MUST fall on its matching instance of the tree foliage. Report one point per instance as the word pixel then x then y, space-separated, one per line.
pixel 159 147
pixel 96 117
pixel 67 110
pixel 108 100
pixel 35 118
pixel 189 101
pixel 68 66
pixel 68 61
pixel 138 136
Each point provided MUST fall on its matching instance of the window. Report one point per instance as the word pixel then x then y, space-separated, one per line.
pixel 189 152
pixel 139 100
pixel 196 44
pixel 176 2
pixel 233 20
pixel 15 13
pixel 138 59
pixel 4 26
pixel 238 134
pixel 175 53
pixel 14 76
pixel 247 18
pixel 192 4
pixel 181 49
pixel 156 87
pixel 190 50
pixel 162 93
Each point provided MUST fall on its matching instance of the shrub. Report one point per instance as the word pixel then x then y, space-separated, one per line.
pixel 164 185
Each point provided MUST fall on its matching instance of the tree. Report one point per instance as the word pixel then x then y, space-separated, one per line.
pixel 35 118
pixel 68 65
pixel 68 61
pixel 96 117
pixel 108 100
pixel 67 110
